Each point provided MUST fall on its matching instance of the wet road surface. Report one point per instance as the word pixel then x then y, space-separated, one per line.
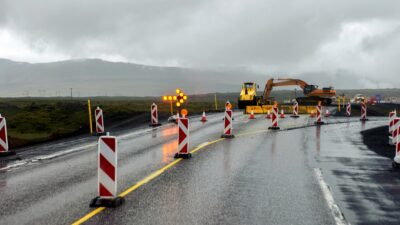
pixel 260 177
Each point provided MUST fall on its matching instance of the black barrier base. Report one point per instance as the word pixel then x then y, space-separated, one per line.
pixel 319 123
pixel 395 165
pixel 232 118
pixel 363 120
pixel 107 202
pixel 183 155
pixel 229 136
pixel 294 116
pixel 274 128
pixel 155 125
pixel 203 121
pixel 7 153
pixel 99 134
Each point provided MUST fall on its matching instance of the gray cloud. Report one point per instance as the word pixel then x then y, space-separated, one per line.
pixel 276 36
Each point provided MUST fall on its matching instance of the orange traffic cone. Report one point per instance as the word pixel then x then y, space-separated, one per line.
pixel 327 113
pixel 282 114
pixel 312 114
pixel 251 116
pixel 177 118
pixel 268 116
pixel 203 117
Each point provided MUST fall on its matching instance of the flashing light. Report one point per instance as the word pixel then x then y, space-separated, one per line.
pixel 170 98
pixel 178 104
pixel 184 112
pixel 165 98
pixel 174 97
pixel 181 100
pixel 185 97
pixel 178 91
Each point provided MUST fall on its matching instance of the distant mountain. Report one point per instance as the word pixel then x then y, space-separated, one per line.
pixel 95 77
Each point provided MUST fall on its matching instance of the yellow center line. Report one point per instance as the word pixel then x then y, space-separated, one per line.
pixel 142 182
pixel 154 175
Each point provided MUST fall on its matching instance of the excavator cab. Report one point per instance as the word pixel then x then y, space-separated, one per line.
pixel 308 89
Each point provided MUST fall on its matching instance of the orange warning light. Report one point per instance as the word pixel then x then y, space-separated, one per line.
pixel 181 94
pixel 229 106
pixel 178 104
pixel 174 97
pixel 181 100
pixel 170 98
pixel 165 98
pixel 184 112
pixel 178 91
pixel 185 97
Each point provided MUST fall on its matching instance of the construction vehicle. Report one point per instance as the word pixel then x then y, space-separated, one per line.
pixel 312 92
pixel 248 95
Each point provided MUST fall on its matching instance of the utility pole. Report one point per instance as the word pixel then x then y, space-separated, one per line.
pixel 71 93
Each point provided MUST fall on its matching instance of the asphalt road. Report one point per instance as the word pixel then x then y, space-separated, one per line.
pixel 259 177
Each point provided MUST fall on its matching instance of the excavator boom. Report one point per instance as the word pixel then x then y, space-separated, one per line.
pixel 311 91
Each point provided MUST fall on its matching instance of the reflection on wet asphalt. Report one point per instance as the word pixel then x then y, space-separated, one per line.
pixel 263 178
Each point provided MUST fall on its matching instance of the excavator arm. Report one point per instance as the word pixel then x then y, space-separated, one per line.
pixel 311 91
pixel 282 82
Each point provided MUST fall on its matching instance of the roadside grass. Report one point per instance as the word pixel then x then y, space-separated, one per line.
pixel 35 120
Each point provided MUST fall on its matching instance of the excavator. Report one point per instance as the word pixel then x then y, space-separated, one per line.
pixel 248 95
pixel 312 92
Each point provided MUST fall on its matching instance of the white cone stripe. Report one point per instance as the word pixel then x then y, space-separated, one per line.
pixel 107 153
pixel 3 144
pixel 2 123
pixel 107 182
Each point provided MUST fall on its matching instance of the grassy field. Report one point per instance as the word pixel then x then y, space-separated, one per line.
pixel 34 120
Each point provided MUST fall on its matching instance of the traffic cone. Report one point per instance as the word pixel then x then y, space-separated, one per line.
pixel 268 116
pixel 327 113
pixel 177 118
pixel 282 114
pixel 312 114
pixel 251 116
pixel 203 117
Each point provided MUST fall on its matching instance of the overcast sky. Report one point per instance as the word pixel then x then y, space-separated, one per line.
pixel 333 40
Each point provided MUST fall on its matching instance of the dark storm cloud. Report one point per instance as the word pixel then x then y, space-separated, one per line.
pixel 272 35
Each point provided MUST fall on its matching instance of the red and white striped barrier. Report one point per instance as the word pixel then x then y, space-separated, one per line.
pixel 203 117
pixel 154 116
pixel 282 114
pixel 393 136
pixel 183 139
pixel 348 109
pixel 268 116
pixel 251 116
pixel 3 135
pixel 295 110
pixel 4 150
pixel 396 159
pixel 228 125
pixel 107 173
pixel 274 119
pixel 99 121
pixel 318 119
pixel 392 115
pixel 363 111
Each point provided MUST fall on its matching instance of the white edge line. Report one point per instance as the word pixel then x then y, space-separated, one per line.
pixel 336 213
